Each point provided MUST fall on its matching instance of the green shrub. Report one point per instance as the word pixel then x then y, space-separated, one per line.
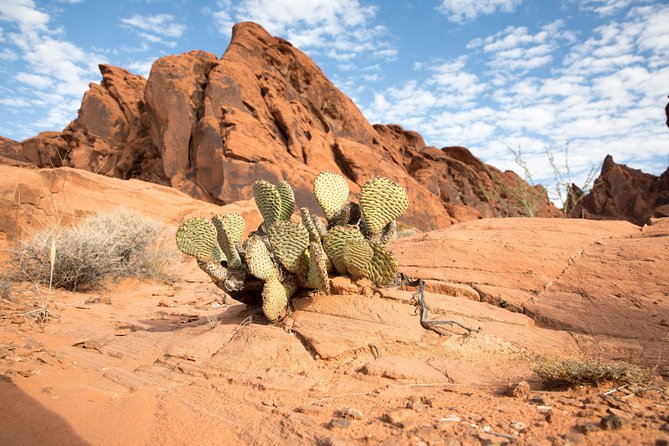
pixel 103 246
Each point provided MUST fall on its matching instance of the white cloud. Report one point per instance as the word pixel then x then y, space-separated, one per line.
pixel 48 63
pixel 341 30
pixel 461 11
pixel 606 7
pixel 142 67
pixel 605 94
pixel 15 102
pixel 24 14
pixel 516 51
pixel 159 28
pixel 34 80
pixel 8 55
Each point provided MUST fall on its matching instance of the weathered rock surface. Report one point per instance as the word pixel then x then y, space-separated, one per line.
pixel 32 200
pixel 605 282
pixel 209 127
pixel 11 153
pixel 623 193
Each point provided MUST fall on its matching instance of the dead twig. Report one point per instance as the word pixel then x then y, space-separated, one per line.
pixel 419 302
pixel 244 323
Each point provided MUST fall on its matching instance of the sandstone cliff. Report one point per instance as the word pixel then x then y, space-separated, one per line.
pixel 209 127
pixel 623 193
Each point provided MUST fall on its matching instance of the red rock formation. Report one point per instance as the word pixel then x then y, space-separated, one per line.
pixel 210 127
pixel 623 193
pixel 11 153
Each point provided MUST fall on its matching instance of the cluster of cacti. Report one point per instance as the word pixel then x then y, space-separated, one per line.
pixel 282 255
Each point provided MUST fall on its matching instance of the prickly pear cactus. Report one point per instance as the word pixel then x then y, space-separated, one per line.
pixel 284 255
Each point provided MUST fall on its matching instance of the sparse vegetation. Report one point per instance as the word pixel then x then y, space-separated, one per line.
pixel 565 189
pixel 103 246
pixel 555 371
pixel 5 288
pixel 523 198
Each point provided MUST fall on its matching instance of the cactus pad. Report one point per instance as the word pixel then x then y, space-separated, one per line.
pixel 268 200
pixel 289 240
pixel 308 223
pixel 197 237
pixel 383 267
pixel 259 260
pixel 382 201
pixel 335 241
pixel 226 240
pixel 213 270
pixel 275 296
pixel 235 225
pixel 357 257
pixel 317 276
pixel 287 200
pixel 331 191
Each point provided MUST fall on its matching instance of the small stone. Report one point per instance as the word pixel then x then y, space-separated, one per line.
pixel 518 426
pixel 544 409
pixel 350 414
pixel 399 417
pixel 521 389
pixel 24 373
pixel 613 422
pixel 587 428
pixel 340 423
pixel 665 427
pixel 342 285
pixel 310 409
pixel 572 438
pixel 416 405
pixel 450 419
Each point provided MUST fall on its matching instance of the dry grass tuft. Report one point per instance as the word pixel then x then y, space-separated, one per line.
pixel 5 288
pixel 555 371
pixel 104 246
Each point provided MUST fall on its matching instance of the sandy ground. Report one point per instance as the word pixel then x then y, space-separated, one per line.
pixel 150 363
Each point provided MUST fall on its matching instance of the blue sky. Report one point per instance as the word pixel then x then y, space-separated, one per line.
pixel 489 75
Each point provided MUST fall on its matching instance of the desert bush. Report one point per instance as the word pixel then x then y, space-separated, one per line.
pixel 5 288
pixel 521 198
pixel 566 191
pixel 555 371
pixel 103 246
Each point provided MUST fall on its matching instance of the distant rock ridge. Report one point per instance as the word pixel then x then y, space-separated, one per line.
pixel 623 193
pixel 209 127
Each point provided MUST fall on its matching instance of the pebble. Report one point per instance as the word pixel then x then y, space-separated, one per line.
pixel 517 426
pixel 521 389
pixel 613 422
pixel 451 419
pixel 588 427
pixel 340 423
pixel 400 417
pixel 350 414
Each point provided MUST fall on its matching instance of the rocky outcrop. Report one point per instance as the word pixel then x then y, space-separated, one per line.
pixel 11 153
pixel 623 193
pixel 209 127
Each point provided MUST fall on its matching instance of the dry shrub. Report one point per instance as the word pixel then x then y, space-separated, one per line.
pixel 5 288
pixel 104 246
pixel 555 371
